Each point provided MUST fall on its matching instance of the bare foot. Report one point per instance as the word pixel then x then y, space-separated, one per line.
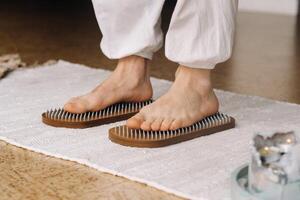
pixel 129 82
pixel 190 99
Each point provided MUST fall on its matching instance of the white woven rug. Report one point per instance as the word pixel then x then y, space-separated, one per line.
pixel 198 169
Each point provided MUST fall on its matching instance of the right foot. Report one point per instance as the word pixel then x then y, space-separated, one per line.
pixel 129 82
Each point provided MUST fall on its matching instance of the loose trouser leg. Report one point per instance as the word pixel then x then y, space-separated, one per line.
pixel 201 32
pixel 129 27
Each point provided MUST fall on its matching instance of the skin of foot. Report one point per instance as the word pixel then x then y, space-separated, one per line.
pixel 190 99
pixel 130 81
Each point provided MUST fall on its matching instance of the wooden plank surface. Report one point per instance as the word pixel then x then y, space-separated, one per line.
pixel 29 175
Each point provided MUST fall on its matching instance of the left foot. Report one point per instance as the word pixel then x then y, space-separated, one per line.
pixel 190 99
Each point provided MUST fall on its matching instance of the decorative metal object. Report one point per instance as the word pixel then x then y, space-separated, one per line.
pixel 274 170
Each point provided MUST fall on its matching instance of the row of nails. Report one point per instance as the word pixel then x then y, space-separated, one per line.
pixel 208 122
pixel 116 109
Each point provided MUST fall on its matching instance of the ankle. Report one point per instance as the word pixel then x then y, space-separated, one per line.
pixel 135 67
pixel 132 63
pixel 203 73
pixel 193 77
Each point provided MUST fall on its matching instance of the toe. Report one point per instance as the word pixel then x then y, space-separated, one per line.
pixel 69 106
pixel 135 121
pixel 74 99
pixel 176 124
pixel 155 126
pixel 74 107
pixel 146 125
pixel 77 105
pixel 166 124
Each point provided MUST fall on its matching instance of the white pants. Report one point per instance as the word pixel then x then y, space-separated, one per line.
pixel 200 33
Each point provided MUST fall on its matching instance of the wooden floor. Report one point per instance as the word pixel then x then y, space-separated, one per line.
pixel 265 63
